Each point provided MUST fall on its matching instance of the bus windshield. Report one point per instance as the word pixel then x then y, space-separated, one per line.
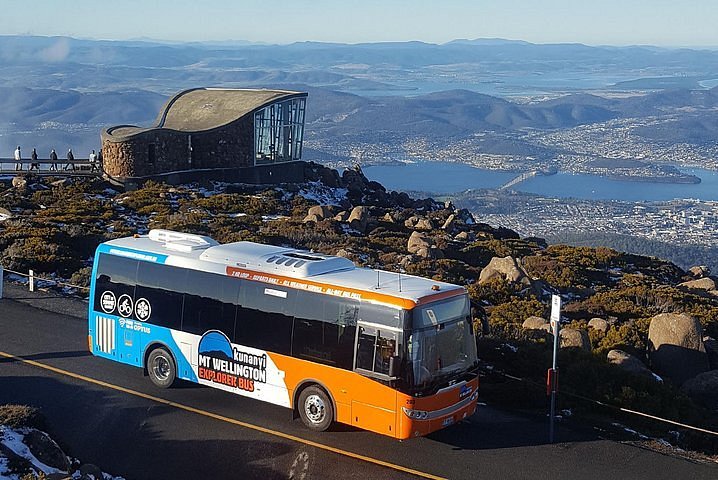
pixel 442 343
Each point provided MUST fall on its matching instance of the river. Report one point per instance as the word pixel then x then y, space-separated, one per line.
pixel 445 178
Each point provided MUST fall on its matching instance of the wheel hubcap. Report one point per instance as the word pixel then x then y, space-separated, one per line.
pixel 162 368
pixel 314 408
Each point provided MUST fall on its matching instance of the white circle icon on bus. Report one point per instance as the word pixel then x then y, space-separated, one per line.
pixel 143 310
pixel 108 302
pixel 125 306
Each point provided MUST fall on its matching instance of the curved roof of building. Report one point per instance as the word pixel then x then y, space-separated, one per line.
pixel 203 109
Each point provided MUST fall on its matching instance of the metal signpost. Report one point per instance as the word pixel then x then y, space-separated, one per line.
pixel 552 380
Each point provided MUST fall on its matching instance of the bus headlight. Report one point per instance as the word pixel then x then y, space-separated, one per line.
pixel 415 414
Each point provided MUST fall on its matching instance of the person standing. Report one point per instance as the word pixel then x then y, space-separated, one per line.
pixel 53 159
pixel 93 162
pixel 18 159
pixel 70 160
pixel 34 165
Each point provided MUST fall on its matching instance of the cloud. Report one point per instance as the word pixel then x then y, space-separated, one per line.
pixel 57 52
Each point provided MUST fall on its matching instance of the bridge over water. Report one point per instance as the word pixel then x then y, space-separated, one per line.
pixel 521 178
pixel 79 167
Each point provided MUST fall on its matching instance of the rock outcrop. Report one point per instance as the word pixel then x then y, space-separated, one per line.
pixel 711 346
pixel 705 283
pixel 675 346
pixel 318 213
pixel 703 389
pixel 628 362
pixel 574 338
pixel 506 268
pixel 359 218
pixel 19 182
pixel 699 271
pixel 598 324
pixel 420 244
pixel 535 323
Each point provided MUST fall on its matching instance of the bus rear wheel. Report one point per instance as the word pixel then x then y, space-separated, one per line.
pixel 161 368
pixel 315 408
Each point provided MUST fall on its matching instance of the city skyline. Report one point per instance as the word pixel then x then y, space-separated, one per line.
pixel 689 23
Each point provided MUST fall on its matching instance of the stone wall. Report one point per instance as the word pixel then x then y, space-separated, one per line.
pixel 230 146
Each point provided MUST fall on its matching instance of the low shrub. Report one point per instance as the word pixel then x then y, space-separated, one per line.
pixel 19 416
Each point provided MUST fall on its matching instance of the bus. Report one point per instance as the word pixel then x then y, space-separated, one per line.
pixel 393 354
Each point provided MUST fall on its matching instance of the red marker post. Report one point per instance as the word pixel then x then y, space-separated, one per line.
pixel 552 377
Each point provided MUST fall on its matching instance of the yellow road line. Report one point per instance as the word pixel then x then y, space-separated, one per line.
pixel 222 418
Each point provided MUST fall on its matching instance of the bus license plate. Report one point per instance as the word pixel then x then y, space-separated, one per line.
pixel 447 421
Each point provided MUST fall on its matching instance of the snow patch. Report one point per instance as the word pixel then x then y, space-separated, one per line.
pixel 322 194
pixel 13 439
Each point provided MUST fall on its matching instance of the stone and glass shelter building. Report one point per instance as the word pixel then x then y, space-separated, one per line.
pixel 209 129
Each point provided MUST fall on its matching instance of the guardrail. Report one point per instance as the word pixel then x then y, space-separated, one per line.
pixel 612 407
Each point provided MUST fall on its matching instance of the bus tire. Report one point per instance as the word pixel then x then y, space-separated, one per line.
pixel 161 368
pixel 315 408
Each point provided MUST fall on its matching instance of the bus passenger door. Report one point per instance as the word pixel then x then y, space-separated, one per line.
pixel 374 402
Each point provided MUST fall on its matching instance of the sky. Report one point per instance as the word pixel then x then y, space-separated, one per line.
pixel 594 22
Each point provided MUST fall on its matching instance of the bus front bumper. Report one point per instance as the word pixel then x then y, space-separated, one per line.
pixel 416 422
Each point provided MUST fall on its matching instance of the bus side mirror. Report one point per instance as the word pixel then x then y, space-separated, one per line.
pixel 394 363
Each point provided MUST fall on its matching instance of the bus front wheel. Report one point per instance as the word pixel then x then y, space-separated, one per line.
pixel 161 368
pixel 315 408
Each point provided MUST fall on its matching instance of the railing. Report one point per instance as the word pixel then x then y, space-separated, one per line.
pixel 33 279
pixel 45 166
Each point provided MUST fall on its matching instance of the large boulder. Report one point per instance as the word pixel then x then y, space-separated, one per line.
pixel 46 450
pixel 424 224
pixel 342 216
pixel 354 180
pixel 19 182
pixel 416 222
pixel 506 268
pixel 675 347
pixel 598 324
pixel 417 241
pixel 359 218
pixel 449 223
pixel 574 338
pixel 318 213
pixel 421 245
pixel 462 237
pixel 711 345
pixel 703 389
pixel 535 323
pixel 89 471
pixel 705 283
pixel 321 211
pixel 628 362
pixel 699 271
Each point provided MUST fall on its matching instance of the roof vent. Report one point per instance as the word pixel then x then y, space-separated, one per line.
pixel 181 242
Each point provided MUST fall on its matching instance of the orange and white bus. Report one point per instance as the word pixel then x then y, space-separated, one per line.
pixel 334 342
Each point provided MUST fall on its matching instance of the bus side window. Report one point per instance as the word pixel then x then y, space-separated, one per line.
pixel 161 286
pixel 114 274
pixel 265 317
pixel 324 329
pixel 366 348
pixel 375 349
pixel 210 303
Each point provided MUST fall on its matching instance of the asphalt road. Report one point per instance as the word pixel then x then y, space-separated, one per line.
pixel 130 428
